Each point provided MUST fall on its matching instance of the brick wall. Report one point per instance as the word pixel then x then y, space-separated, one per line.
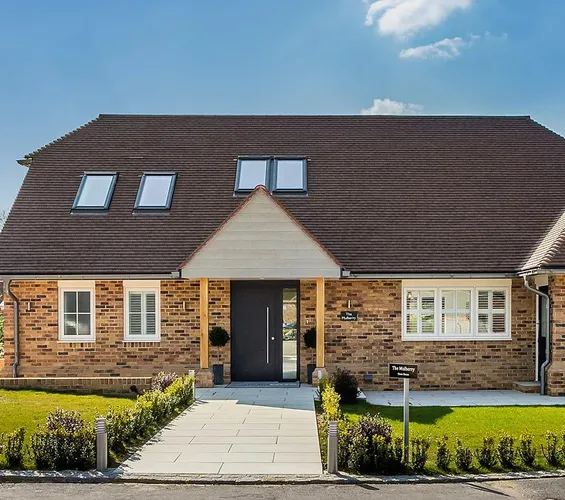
pixel 364 346
pixel 556 370
pixel 367 346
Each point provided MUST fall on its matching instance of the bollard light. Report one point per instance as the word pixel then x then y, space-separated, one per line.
pixel 332 447
pixel 101 445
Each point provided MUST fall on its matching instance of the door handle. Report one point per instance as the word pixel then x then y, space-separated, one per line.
pixel 267 334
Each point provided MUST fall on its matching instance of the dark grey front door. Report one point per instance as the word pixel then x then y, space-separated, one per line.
pixel 257 325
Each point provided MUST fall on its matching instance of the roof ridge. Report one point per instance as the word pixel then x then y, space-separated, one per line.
pixel 292 115
pixel 59 139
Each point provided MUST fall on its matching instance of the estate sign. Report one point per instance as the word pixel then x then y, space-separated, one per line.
pixel 348 315
pixel 402 370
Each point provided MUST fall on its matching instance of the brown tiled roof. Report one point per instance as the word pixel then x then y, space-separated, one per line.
pixel 385 194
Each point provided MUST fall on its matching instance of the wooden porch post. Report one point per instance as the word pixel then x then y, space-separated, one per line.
pixel 204 323
pixel 320 312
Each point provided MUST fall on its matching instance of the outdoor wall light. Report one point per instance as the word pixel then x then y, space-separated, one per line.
pixel 368 377
pixel 28 307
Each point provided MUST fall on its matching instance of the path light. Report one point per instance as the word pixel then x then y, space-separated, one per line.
pixel 101 445
pixel 332 447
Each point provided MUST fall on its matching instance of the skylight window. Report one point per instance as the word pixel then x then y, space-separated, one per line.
pixel 156 191
pixel 95 191
pixel 279 175
pixel 251 173
pixel 290 175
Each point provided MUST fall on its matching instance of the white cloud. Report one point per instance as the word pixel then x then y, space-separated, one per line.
pixel 448 48
pixel 405 17
pixel 389 107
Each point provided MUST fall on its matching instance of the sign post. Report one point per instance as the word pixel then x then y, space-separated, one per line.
pixel 405 372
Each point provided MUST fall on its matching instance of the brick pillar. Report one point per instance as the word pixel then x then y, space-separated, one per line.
pixel 556 369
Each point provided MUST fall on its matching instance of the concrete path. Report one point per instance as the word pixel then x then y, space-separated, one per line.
pixel 462 398
pixel 237 431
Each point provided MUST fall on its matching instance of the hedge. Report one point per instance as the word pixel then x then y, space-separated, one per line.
pixel 66 441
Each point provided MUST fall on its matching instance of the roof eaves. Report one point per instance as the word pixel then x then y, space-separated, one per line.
pixel 550 244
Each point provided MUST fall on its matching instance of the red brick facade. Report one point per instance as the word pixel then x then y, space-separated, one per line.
pixel 556 369
pixel 365 346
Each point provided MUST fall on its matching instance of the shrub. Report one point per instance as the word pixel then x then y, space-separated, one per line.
pixel 443 455
pixel 120 425
pixel 527 451
pixel 506 451
pixel 463 456
pixel 551 451
pixel 420 447
pixel 387 455
pixel 359 459
pixel 346 386
pixel 66 441
pixel 13 446
pixel 330 404
pixel 163 380
pixel 486 455
pixel 310 338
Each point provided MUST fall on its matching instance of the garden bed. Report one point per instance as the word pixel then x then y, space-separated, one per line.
pixel 493 439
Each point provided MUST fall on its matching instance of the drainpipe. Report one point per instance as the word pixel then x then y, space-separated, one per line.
pixel 547 330
pixel 16 303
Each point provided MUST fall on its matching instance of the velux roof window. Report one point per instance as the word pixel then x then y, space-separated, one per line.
pixel 278 174
pixel 95 191
pixel 156 191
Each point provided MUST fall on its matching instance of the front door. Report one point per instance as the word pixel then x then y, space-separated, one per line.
pixel 264 333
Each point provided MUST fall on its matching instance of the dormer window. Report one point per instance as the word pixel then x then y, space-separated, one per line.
pixel 95 191
pixel 156 191
pixel 280 175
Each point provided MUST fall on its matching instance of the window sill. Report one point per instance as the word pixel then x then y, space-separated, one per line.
pixel 131 340
pixel 76 341
pixel 451 338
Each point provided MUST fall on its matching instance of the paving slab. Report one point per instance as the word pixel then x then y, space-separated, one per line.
pixel 237 431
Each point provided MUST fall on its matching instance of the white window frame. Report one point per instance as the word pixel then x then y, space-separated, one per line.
pixel 439 286
pixel 142 286
pixel 77 286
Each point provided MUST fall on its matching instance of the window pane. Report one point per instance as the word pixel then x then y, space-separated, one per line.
pixel 135 324
pixel 70 324
pixel 498 299
pixel 70 300
pixel 155 191
pixel 135 302
pixel 499 322
pixel 290 174
pixel 84 324
pixel 483 299
pixel 150 302
pixel 483 323
pixel 411 300
pixel 463 299
pixel 150 324
pixel 427 300
pixel 448 300
pixel 428 323
pixel 463 324
pixel 94 192
pixel 252 173
pixel 412 323
pixel 84 302
pixel 448 323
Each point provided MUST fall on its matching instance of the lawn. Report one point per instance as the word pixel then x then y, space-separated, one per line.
pixel 28 408
pixel 469 423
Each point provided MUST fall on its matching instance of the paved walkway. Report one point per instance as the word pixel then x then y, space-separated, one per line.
pixel 237 431
pixel 462 398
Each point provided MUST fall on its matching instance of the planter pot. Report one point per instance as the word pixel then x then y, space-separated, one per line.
pixel 218 371
pixel 310 367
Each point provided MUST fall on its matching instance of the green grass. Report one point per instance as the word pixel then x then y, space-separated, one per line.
pixel 471 424
pixel 28 408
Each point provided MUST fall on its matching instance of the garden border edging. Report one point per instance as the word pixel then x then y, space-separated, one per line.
pixel 9 476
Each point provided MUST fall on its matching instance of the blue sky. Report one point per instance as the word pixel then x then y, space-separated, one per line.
pixel 63 62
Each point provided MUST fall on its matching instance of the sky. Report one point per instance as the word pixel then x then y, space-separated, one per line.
pixel 63 62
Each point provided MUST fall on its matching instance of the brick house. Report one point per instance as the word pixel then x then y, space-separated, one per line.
pixel 412 239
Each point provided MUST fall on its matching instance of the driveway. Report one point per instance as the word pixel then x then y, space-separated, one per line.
pixel 237 431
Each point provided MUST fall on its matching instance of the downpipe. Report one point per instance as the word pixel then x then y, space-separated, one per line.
pixel 16 303
pixel 547 332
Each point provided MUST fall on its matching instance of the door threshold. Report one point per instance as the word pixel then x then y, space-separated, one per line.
pixel 264 385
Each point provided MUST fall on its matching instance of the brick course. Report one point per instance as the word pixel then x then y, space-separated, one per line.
pixel 556 369
pixel 365 346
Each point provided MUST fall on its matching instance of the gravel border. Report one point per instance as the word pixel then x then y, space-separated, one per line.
pixel 112 476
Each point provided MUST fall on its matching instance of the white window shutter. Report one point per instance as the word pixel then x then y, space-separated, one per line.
pixel 150 314
pixel 135 313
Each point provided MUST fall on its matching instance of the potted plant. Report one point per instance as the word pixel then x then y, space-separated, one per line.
pixel 310 342
pixel 218 337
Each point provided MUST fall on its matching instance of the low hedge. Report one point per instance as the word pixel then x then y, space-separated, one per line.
pixel 369 446
pixel 66 441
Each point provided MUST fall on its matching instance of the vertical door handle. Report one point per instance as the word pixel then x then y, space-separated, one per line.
pixel 267 334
